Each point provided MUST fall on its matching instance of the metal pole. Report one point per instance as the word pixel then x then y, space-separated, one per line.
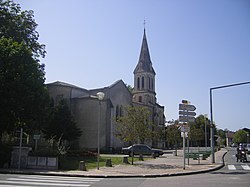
pixel 188 149
pixel 98 137
pixel 211 128
pixel 20 148
pixel 211 113
pixel 184 150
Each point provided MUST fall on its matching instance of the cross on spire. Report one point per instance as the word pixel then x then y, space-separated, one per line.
pixel 144 23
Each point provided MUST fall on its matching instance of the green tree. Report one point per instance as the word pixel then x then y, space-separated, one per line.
pixel 23 95
pixel 240 136
pixel 173 135
pixel 62 125
pixel 135 126
pixel 20 26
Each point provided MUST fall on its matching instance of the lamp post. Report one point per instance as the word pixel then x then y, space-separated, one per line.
pixel 100 96
pixel 211 114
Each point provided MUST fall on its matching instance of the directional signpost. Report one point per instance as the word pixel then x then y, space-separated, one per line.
pixel 186 115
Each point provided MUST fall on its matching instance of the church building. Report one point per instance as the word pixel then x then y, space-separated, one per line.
pixel 87 109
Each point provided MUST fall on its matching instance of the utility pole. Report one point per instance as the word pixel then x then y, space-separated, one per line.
pixel 211 113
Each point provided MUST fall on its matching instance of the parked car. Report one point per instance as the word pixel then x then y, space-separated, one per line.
pixel 248 148
pixel 141 149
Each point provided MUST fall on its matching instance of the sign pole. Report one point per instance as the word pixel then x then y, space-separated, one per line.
pixel 184 150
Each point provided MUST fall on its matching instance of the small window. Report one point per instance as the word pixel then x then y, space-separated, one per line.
pixel 138 83
pixel 142 83
pixel 149 83
pixel 140 99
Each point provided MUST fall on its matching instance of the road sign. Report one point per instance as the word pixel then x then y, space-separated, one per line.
pixel 185 129
pixel 187 113
pixel 186 119
pixel 187 107
pixel 184 134
pixel 36 136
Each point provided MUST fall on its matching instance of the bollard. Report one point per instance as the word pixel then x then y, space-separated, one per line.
pixel 82 166
pixel 141 157
pixel 108 162
pixel 125 160
pixel 153 156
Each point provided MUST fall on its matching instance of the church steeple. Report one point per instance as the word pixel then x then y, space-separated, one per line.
pixel 144 76
pixel 144 63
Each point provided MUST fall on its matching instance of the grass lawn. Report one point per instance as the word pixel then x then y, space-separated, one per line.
pixel 72 163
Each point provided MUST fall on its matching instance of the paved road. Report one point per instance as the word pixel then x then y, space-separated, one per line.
pixel 232 175
pixel 39 180
pixel 225 177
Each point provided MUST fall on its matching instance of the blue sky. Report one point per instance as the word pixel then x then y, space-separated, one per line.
pixel 194 45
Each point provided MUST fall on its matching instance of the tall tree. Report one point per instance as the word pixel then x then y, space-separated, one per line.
pixel 23 95
pixel 240 136
pixel 20 26
pixel 62 125
pixel 135 125
pixel 173 135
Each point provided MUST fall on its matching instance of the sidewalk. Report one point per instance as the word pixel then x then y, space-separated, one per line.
pixel 166 165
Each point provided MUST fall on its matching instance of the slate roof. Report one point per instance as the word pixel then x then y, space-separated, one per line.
pixel 144 63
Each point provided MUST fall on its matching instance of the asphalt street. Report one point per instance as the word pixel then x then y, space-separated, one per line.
pixel 231 175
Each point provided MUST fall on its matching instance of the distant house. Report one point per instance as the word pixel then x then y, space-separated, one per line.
pixel 85 108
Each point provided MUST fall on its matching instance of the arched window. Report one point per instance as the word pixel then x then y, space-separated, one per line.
pixel 149 86
pixel 138 83
pixel 142 83
pixel 140 99
pixel 152 84
pixel 117 112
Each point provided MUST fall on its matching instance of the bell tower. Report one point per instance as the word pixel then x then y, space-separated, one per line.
pixel 144 77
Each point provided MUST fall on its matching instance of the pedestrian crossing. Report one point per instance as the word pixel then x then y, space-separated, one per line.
pixel 39 180
pixel 238 167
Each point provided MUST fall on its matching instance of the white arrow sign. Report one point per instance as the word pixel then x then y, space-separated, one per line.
pixel 185 129
pixel 187 107
pixel 187 113
pixel 186 119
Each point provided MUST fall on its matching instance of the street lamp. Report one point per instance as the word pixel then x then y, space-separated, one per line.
pixel 100 96
pixel 211 114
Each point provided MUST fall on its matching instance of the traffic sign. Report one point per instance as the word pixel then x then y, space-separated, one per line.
pixel 186 119
pixel 187 113
pixel 185 129
pixel 184 134
pixel 187 107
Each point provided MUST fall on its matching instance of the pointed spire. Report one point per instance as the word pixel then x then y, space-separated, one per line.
pixel 144 63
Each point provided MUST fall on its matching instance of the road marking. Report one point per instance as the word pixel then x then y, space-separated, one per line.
pixel 231 167
pixel 245 167
pixel 32 180
pixel 48 183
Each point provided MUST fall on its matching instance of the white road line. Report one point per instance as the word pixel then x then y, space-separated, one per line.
pixel 60 178
pixel 231 167
pixel 43 183
pixel 245 167
pixel 31 180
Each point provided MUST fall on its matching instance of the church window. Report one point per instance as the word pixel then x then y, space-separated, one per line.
pixel 149 82
pixel 117 112
pixel 140 99
pixel 138 83
pixel 152 84
pixel 142 83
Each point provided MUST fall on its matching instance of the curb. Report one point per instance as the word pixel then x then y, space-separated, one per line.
pixel 121 176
